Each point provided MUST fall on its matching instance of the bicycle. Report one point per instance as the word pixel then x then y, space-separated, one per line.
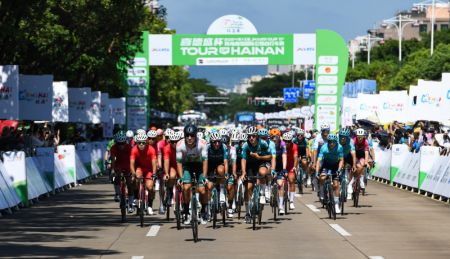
pixel 215 205
pixel 178 202
pixel 143 197
pixel 366 176
pixel 193 204
pixel 168 198
pixel 274 198
pixel 256 208
pixel 329 196
pixel 239 198
pixel 300 179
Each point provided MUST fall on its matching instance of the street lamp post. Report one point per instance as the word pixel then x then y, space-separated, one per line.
pixel 369 45
pixel 402 22
pixel 431 3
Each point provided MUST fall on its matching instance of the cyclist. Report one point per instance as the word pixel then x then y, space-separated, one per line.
pixel 330 162
pixel 217 164
pixel 290 165
pixel 263 134
pixel 162 177
pixel 303 152
pixel 120 163
pixel 152 139
pixel 143 165
pixel 170 161
pixel 231 181
pixel 130 135
pixel 318 142
pixel 256 156
pixel 362 155
pixel 192 157
pixel 348 149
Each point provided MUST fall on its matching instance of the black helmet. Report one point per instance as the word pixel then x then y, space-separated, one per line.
pixel 190 129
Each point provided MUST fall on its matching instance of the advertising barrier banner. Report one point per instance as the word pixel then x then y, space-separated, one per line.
pixel 382 167
pixel 35 183
pixel 394 106
pixel 94 111
pixel 11 198
pixel 443 185
pixel 14 163
pixel 83 151
pixel 45 162
pixel 400 155
pixel 60 104
pixel 79 103
pixel 36 97
pixel 66 164
pixel 9 92
pixel 96 158
pixel 428 157
pixel 118 111
pixel 105 108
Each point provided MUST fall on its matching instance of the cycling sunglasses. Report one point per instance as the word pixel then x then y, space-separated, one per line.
pixel 191 135
pixel 141 143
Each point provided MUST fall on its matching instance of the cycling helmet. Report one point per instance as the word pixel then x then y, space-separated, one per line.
pixel 152 133
pixel 140 137
pixel 175 136
pixel 300 132
pixel 190 130
pixel 360 132
pixel 235 137
pixel 263 132
pixel 140 131
pixel 168 132
pixel 332 138
pixel 215 136
pixel 275 132
pixel 288 136
pixel 324 126
pixel 225 139
pixel 283 128
pixel 223 132
pixel 243 137
pixel 120 137
pixel 130 134
pixel 234 130
pixel 200 135
pixel 308 135
pixel 251 131
pixel 159 132
pixel 344 132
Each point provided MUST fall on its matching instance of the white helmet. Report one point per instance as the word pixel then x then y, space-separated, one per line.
pixel 324 126
pixel 214 136
pixel 140 137
pixel 234 130
pixel 300 132
pixel 235 137
pixel 168 132
pixel 223 132
pixel 130 134
pixel 307 135
pixel 140 131
pixel 243 137
pixel 200 135
pixel 152 133
pixel 181 133
pixel 287 136
pixel 175 136
pixel 360 132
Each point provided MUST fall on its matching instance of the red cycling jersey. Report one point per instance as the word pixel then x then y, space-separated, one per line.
pixel 361 147
pixel 143 159
pixel 122 156
pixel 290 153
pixel 170 153
pixel 160 147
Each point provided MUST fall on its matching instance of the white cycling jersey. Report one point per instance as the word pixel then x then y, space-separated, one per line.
pixel 196 154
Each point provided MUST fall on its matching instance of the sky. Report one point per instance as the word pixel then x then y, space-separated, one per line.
pixel 350 18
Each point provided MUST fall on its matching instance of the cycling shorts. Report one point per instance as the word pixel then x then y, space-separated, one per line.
pixel 348 159
pixel 331 169
pixel 188 170
pixel 144 172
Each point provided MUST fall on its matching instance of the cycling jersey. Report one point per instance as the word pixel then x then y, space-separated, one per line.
pixel 110 144
pixel 143 159
pixel 216 157
pixel 348 147
pixel 280 150
pixel 170 154
pixel 361 148
pixel 122 156
pixel 302 146
pixel 332 156
pixel 291 151
pixel 261 148
pixel 272 147
pixel 238 157
pixel 318 142
pixel 160 147
pixel 196 154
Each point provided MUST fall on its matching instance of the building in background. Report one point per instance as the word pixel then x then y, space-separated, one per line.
pixel 246 83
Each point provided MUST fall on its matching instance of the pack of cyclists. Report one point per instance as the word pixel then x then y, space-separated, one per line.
pixel 226 158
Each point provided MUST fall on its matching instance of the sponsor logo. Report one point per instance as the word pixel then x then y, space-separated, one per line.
pixel 307 49
pixel 160 50
pixel 426 98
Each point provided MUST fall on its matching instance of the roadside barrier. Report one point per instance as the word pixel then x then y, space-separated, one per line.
pixel 426 172
pixel 24 179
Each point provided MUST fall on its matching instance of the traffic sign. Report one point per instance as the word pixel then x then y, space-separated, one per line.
pixel 308 88
pixel 291 94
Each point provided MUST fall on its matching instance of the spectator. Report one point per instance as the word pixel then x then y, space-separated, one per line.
pixel 417 142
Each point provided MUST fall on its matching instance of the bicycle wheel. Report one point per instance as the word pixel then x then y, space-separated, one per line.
pixel 194 220
pixel 274 201
pixel 366 172
pixel 123 206
pixel 142 202
pixel 286 197
pixel 214 207
pixel 254 208
pixel 239 201
pixel 356 191
pixel 224 211
pixel 178 208
pixel 300 180
pixel 332 204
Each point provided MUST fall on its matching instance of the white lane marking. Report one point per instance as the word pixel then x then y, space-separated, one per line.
pixel 376 257
pixel 298 195
pixel 153 231
pixel 312 207
pixel 137 257
pixel 340 230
